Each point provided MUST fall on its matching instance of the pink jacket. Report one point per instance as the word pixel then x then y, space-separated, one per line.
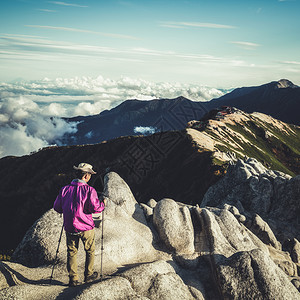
pixel 77 201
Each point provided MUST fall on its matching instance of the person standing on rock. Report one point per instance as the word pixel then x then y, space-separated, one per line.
pixel 77 201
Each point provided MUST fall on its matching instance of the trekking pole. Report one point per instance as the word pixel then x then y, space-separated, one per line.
pixel 102 246
pixel 101 179
pixel 102 226
pixel 57 250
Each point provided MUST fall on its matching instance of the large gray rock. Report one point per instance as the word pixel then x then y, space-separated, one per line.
pixel 248 183
pixel 31 291
pixel 29 283
pixel 141 277
pixel 157 280
pixel 261 229
pixel 111 289
pixel 169 286
pixel 253 275
pixel 224 235
pixel 121 200
pixel 127 236
pixel 41 241
pixel 174 225
pixel 295 253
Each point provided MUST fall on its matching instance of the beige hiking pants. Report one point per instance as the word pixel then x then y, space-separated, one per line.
pixel 88 239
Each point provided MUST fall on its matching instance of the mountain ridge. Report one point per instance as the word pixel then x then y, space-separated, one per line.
pixel 254 135
pixel 280 99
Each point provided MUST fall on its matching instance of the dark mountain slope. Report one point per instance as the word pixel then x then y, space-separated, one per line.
pixel 163 115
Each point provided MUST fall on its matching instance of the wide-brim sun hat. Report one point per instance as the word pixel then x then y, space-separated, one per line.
pixel 85 167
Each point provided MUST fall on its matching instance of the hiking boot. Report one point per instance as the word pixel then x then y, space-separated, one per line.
pixel 73 283
pixel 91 277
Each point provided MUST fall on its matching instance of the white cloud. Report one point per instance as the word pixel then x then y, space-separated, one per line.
pixel 247 45
pixel 145 130
pixel 31 111
pixel 88 108
pixel 195 24
pixel 66 4
pixel 296 63
pixel 82 31
pixel 16 141
pixel 54 109
pixel 46 10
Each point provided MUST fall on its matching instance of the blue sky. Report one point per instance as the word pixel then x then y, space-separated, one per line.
pixel 220 44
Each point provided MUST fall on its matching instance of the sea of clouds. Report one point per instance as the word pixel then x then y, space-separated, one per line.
pixel 32 112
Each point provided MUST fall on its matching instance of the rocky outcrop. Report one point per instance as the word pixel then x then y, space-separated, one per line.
pixel 264 232
pixel 179 252
pixel 122 203
pixel 253 189
pixel 224 235
pixel 296 251
pixel 268 202
pixel 253 275
pixel 39 245
pixel 174 225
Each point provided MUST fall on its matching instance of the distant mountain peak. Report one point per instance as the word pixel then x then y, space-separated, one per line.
pixel 181 98
pixel 285 83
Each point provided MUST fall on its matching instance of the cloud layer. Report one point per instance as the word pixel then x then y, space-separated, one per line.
pixel 31 112
pixel 25 127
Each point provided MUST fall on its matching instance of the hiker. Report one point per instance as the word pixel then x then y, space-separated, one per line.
pixel 77 201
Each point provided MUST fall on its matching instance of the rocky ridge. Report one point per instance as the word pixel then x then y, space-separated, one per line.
pixel 231 133
pixel 224 249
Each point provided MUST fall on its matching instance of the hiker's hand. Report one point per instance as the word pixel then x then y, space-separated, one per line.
pixel 105 201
